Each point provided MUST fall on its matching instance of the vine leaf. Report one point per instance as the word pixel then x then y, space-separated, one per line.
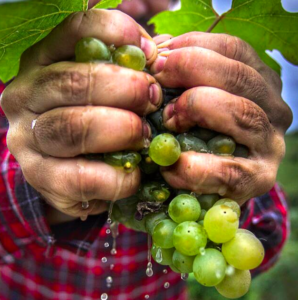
pixel 108 3
pixel 265 25
pixel 24 23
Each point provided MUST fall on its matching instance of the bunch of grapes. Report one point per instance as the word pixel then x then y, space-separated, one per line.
pixel 191 233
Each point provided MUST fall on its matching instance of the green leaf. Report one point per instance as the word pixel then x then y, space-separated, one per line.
pixel 108 3
pixel 264 24
pixel 22 24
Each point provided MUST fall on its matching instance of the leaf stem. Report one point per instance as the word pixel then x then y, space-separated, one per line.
pixel 216 21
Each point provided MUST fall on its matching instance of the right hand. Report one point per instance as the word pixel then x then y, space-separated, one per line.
pixel 58 110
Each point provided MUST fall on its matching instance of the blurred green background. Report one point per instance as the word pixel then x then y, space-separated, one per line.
pixel 280 282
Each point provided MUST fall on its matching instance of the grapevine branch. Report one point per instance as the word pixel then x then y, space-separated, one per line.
pixel 216 21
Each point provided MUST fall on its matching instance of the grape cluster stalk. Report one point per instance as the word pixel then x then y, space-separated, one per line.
pixel 191 232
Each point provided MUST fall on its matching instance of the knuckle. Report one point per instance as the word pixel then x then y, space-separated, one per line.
pixel 72 84
pixel 251 117
pixel 235 177
pixel 234 47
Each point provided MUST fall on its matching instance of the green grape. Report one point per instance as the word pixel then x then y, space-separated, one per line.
pixel 201 222
pixel 221 223
pixel 207 201
pixel 116 214
pixel 244 251
pixel 156 119
pixel 230 203
pixel 189 238
pixel 153 191
pixel 114 158
pixel 162 256
pixel 174 269
pixel 134 224
pixel 209 267
pixel 164 150
pixel 184 208
pixel 222 144
pixel 153 219
pixel 241 230
pixel 241 151
pixel 90 50
pixel 130 161
pixel 202 133
pixel 202 215
pixel 182 262
pixel 130 57
pixel 190 143
pixel 163 234
pixel 235 285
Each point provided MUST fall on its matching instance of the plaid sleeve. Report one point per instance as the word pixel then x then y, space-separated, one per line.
pixel 23 226
pixel 267 218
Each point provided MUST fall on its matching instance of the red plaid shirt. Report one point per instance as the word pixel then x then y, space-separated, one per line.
pixel 67 262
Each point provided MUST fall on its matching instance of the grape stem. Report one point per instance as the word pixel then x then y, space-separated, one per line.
pixel 216 21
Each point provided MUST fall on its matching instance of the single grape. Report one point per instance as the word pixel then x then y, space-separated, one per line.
pixel 222 145
pixel 209 267
pixel 129 56
pixel 182 262
pixel 164 150
pixel 113 158
pixel 190 143
pixel 130 160
pixel 170 94
pixel 241 151
pixel 244 251
pixel 207 201
pixel 153 191
pixel 230 203
pixel 221 223
pixel 153 219
pixel 189 238
pixel 202 133
pixel 235 285
pixel 184 208
pixel 174 269
pixel 90 50
pixel 147 165
pixel 241 230
pixel 166 255
pixel 163 234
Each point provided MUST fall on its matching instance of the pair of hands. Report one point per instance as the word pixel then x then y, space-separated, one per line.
pixel 58 110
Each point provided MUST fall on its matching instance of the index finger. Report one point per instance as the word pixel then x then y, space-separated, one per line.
pixel 111 27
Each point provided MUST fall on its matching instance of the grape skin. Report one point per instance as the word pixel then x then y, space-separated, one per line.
pixel 236 285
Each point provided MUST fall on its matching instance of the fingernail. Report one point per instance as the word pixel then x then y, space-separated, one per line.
pixel 159 64
pixel 159 50
pixel 164 44
pixel 146 130
pixel 149 48
pixel 169 111
pixel 155 94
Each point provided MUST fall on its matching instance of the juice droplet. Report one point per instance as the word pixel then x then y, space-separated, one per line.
pixel 108 231
pixel 202 251
pixel 109 220
pixel 104 259
pixel 165 271
pixel 84 218
pixel 104 296
pixel 112 266
pixel 85 205
pixel 158 255
pixel 147 297
pixel 113 251
pixel 184 276
pixel 166 285
pixel 106 245
pixel 109 281
pixel 149 270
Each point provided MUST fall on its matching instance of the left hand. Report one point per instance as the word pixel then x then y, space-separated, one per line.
pixel 231 91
